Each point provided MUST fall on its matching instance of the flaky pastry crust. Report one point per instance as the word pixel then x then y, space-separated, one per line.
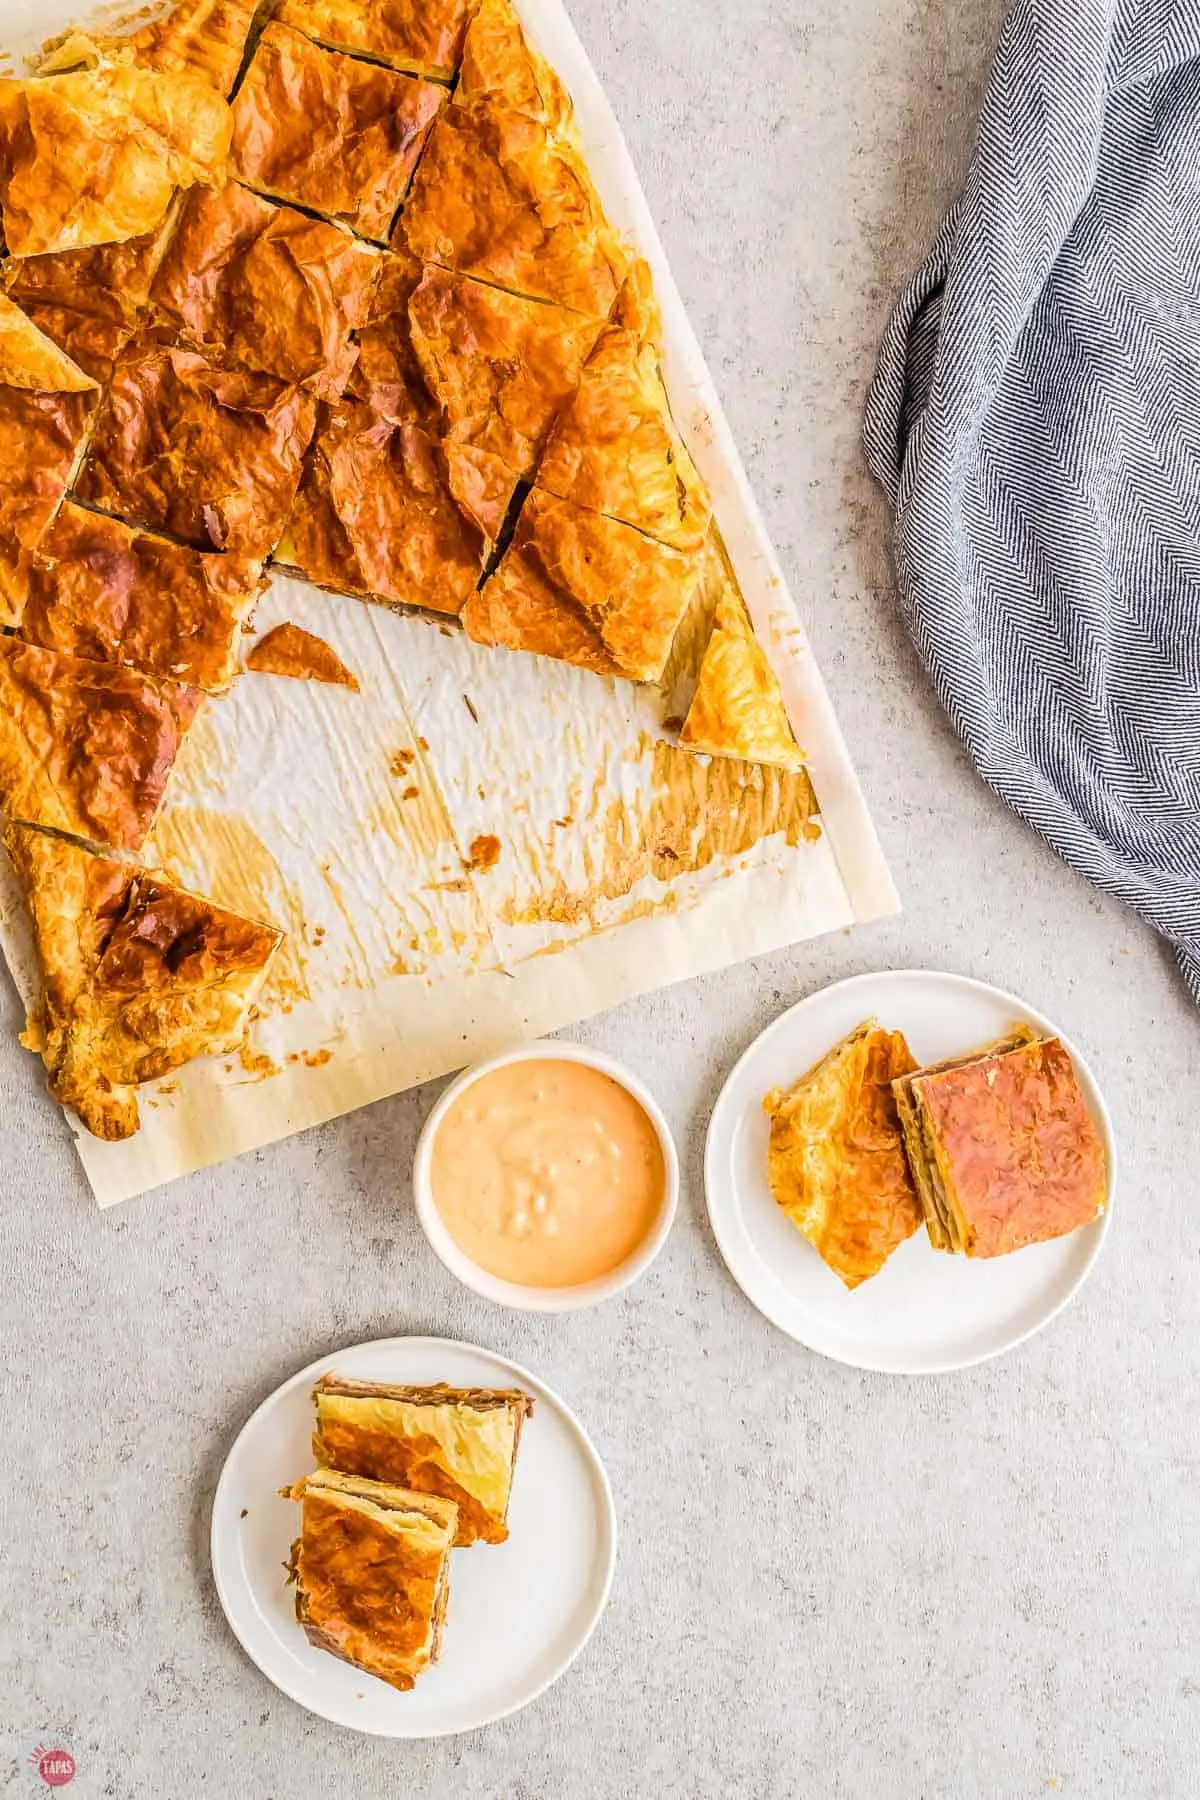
pixel 497 197
pixel 374 515
pixel 835 1158
pixel 264 286
pixel 94 156
pixel 330 132
pixel 424 36
pixel 737 708
pixel 102 590
pixel 212 456
pixel 585 589
pixel 86 747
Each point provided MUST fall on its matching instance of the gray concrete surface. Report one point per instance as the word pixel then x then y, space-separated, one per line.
pixel 831 1584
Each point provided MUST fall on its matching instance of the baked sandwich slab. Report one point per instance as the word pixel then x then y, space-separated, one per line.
pixel 737 708
pixel 498 197
pixel 206 38
pixel 371 1569
pixel 260 286
pixel 459 1443
pixel 138 975
pixel 86 747
pixel 615 448
pixel 47 404
pixel 501 368
pixel 88 301
pixel 375 517
pixel 105 591
pixel 424 37
pixel 209 455
pixel 835 1158
pixel 498 61
pixel 329 132
pixel 95 155
pixel 1002 1146
pixel 586 589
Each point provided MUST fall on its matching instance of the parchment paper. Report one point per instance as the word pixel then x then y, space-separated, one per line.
pixel 480 847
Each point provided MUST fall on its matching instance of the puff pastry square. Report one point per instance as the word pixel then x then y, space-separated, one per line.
pixel 387 374
pixel 94 156
pixel 249 282
pixel 46 405
pixel 138 975
pixel 501 368
pixel 496 196
pixel 86 747
pixel 371 1569
pixel 835 1159
pixel 211 456
pixel 333 134
pixel 615 447
pixel 737 708
pixel 374 515
pixel 101 590
pixel 199 37
pixel 87 301
pixel 498 60
pixel 1003 1148
pixel 460 1443
pixel 585 589
pixel 424 36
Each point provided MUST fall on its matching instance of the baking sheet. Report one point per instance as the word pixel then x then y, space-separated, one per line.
pixel 480 846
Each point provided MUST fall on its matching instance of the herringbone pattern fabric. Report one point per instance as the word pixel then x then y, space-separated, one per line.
pixel 1035 421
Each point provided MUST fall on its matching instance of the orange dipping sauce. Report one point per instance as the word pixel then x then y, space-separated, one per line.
pixel 547 1173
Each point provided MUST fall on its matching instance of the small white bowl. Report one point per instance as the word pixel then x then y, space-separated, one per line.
pixel 518 1294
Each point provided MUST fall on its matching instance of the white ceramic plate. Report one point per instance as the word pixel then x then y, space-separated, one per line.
pixel 519 1612
pixel 925 1312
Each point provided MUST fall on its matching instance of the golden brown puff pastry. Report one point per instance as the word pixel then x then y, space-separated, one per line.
pixel 87 301
pixel 497 197
pixel 737 708
pixel 636 306
pixel 501 368
pixel 387 374
pixel 374 515
pixel 29 359
pixel 424 36
pixel 586 589
pixel 100 589
pixel 95 156
pixel 288 649
pixel 498 60
pixel 460 1443
pixel 331 133
pixel 211 456
pixel 86 747
pixel 835 1159
pixel 46 404
pixel 198 37
pixel 249 282
pixel 1003 1148
pixel 615 448
pixel 372 1573
pixel 138 975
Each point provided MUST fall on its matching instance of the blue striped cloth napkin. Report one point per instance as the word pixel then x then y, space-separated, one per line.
pixel 1035 422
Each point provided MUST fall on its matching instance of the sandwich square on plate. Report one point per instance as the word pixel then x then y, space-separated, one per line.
pixel 925 1311
pixel 517 1613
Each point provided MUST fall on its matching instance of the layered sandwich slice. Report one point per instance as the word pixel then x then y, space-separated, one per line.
pixel 835 1158
pixel 371 1569
pixel 1003 1149
pixel 459 1443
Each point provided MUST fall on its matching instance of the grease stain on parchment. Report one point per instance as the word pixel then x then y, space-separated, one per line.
pixel 697 812
pixel 218 855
